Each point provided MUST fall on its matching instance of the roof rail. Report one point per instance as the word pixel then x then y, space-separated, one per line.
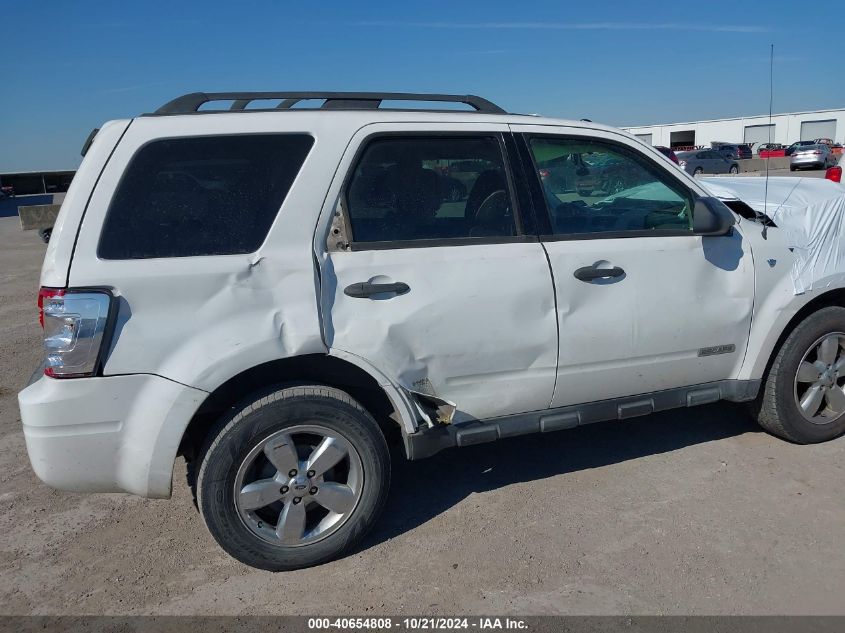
pixel 331 100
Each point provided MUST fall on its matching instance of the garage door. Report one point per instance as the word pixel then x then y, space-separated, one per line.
pixel 811 130
pixel 645 138
pixel 759 134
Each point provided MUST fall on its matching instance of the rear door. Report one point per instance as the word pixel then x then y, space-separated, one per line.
pixel 644 304
pixel 447 297
pixel 706 161
pixel 719 164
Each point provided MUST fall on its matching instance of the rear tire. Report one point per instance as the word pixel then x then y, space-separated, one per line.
pixel 255 511
pixel 778 409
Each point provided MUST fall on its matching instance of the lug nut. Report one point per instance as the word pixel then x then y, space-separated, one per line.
pixel 310 473
pixel 297 499
pixel 292 472
pixel 284 489
pixel 313 490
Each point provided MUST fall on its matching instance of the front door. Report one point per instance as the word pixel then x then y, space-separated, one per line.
pixel 644 304
pixel 439 287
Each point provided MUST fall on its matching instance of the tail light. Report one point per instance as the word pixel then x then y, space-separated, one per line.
pixel 74 323
pixel 544 173
pixel 834 174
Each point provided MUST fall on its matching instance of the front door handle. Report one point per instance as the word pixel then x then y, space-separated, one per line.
pixel 590 273
pixel 366 289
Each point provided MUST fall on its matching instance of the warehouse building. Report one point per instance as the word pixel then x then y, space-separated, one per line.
pixel 35 182
pixel 783 128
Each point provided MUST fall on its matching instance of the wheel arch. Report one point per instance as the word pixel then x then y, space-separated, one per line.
pixel 383 401
pixel 833 297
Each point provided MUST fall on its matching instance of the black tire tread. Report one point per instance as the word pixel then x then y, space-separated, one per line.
pixel 765 408
pixel 256 403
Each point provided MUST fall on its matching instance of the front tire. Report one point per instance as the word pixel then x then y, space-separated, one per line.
pixel 803 398
pixel 294 478
pixel 698 171
pixel 734 169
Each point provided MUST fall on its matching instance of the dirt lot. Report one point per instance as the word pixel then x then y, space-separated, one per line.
pixel 693 511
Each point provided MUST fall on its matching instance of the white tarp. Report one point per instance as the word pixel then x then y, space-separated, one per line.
pixel 811 212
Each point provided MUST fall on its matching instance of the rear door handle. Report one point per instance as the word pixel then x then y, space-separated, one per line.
pixel 366 289
pixel 589 273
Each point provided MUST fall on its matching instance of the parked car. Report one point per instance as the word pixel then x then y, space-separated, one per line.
pixel 273 295
pixel 835 173
pixel 733 151
pixel 8 191
pixel 668 153
pixel 813 156
pixel 769 147
pixel 791 149
pixel 824 141
pixel 706 161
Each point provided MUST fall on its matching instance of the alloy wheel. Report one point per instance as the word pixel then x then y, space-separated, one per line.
pixel 820 380
pixel 299 485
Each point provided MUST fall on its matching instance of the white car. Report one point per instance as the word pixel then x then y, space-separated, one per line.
pixel 273 293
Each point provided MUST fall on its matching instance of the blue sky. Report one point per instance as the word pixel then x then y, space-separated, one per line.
pixel 69 66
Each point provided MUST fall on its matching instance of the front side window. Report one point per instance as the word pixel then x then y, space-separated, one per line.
pixel 596 187
pixel 211 195
pixel 419 188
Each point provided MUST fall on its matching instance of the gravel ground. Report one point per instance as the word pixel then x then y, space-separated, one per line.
pixel 687 512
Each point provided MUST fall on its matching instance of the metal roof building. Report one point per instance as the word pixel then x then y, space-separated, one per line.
pixel 784 128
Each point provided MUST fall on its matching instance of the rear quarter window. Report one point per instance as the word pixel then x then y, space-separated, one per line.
pixel 211 195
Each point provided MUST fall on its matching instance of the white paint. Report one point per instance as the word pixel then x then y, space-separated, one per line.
pixel 480 323
pixel 116 434
pixel 643 332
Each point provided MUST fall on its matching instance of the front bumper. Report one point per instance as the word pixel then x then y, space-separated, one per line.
pixel 109 434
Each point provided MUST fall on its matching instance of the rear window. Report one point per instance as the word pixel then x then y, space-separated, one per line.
pixel 213 195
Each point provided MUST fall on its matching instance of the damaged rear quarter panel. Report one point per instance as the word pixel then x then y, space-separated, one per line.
pixel 201 320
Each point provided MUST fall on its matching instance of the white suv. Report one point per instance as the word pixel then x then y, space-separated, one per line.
pixel 272 291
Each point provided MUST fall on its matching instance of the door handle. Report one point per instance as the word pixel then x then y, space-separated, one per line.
pixel 589 273
pixel 364 289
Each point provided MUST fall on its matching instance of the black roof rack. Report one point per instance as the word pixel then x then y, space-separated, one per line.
pixel 331 100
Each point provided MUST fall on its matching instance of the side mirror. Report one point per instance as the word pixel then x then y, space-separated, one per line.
pixel 711 217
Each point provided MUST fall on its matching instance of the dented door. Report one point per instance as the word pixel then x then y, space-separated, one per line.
pixel 455 302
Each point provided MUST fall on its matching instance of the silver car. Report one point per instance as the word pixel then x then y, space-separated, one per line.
pixel 813 156
pixel 706 161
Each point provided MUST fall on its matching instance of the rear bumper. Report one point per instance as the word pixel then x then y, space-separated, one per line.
pixel 110 434
pixel 807 162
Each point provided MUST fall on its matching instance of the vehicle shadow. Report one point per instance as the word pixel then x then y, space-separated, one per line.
pixel 421 490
